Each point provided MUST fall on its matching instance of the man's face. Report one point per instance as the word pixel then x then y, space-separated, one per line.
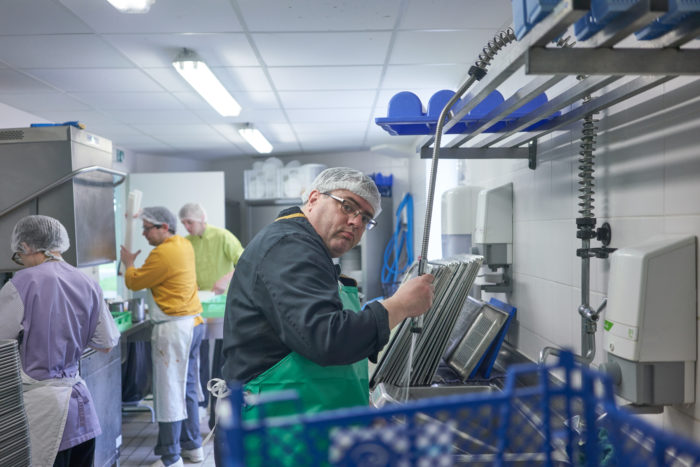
pixel 194 227
pixel 339 231
pixel 154 233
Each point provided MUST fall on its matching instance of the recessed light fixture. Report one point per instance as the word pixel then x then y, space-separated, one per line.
pixel 201 78
pixel 255 139
pixel 132 6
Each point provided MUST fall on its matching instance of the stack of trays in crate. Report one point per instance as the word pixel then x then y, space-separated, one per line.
pixel 14 434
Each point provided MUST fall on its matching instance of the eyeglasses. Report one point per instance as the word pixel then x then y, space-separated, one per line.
pixel 149 227
pixel 17 258
pixel 349 208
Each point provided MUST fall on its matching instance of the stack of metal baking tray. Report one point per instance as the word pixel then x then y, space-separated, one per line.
pixel 14 433
pixel 411 359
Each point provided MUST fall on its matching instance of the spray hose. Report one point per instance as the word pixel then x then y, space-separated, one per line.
pixel 476 72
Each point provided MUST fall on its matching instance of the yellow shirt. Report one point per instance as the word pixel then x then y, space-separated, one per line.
pixel 169 272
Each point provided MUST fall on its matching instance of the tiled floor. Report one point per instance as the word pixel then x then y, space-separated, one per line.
pixel 139 437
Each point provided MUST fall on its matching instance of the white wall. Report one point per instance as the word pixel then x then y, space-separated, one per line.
pixel 647 182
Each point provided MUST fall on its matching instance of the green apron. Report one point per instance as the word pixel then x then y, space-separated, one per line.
pixel 319 387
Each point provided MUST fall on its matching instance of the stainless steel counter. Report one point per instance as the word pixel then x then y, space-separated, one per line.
pixel 102 374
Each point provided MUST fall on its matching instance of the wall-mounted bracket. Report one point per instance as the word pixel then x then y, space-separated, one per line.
pixel 529 153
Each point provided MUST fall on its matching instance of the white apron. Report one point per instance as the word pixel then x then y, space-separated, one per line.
pixel 46 403
pixel 171 338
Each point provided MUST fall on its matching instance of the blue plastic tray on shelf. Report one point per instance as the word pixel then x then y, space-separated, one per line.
pixel 569 420
pixel 405 114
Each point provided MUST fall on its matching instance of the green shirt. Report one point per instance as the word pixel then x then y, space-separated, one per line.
pixel 216 253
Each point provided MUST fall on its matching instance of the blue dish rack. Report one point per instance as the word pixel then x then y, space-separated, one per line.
pixel 570 420
pixel 405 114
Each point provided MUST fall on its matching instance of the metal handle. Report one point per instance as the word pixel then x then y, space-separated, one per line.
pixel 64 179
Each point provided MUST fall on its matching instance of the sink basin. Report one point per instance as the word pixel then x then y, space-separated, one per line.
pixel 388 394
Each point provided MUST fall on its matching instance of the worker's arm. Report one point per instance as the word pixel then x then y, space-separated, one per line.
pixel 222 283
pixel 154 269
pixel 413 298
pixel 106 334
pixel 11 312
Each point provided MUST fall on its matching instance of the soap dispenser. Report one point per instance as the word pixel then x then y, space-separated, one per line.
pixel 650 325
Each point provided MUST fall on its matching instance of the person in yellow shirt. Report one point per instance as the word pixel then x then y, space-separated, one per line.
pixel 216 253
pixel 169 273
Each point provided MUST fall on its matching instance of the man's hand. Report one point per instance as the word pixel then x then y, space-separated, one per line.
pixel 128 257
pixel 413 298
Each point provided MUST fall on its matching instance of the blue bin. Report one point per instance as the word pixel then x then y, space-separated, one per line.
pixel 678 11
pixel 601 14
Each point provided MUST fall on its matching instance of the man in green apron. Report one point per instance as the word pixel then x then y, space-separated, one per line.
pixel 291 322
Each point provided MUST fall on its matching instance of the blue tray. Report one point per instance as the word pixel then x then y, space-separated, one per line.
pixel 405 114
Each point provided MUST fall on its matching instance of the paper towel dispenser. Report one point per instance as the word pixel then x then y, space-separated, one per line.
pixel 651 319
pixel 71 168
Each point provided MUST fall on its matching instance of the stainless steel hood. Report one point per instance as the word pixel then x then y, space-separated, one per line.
pixel 62 172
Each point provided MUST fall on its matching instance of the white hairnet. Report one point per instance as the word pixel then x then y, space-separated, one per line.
pixel 159 215
pixel 40 233
pixel 193 212
pixel 345 178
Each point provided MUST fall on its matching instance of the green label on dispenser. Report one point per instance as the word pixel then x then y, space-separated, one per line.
pixel 608 325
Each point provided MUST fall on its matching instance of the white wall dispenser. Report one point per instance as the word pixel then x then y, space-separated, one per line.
pixel 458 219
pixel 493 237
pixel 650 322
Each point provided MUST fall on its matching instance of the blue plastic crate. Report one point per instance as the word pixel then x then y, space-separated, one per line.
pixel 549 422
pixel 601 14
pixel 678 11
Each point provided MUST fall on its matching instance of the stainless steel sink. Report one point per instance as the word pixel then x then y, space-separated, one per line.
pixel 387 394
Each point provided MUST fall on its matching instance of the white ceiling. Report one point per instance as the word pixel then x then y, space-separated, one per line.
pixel 312 75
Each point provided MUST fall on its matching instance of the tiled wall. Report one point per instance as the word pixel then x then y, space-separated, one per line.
pixel 647 182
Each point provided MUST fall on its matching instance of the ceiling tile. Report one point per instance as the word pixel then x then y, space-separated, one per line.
pixel 323 48
pixel 427 47
pixel 59 51
pixel 139 117
pixel 164 16
pixel 98 80
pixel 325 115
pixel 325 78
pixel 159 50
pixel 37 102
pixel 456 14
pixel 312 15
pixel 243 78
pixel 410 77
pixel 13 82
pixel 89 118
pixel 130 100
pixel 326 99
pixel 39 17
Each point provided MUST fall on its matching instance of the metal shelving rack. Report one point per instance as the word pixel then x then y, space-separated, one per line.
pixel 598 59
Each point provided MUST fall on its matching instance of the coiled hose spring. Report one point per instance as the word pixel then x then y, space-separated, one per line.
pixel 586 161
pixel 493 46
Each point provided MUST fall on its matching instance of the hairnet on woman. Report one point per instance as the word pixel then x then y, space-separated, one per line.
pixel 55 312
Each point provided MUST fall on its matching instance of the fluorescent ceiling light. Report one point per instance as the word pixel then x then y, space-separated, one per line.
pixel 256 139
pixel 200 77
pixel 132 6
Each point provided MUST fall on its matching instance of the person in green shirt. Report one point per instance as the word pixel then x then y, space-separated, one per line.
pixel 216 250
